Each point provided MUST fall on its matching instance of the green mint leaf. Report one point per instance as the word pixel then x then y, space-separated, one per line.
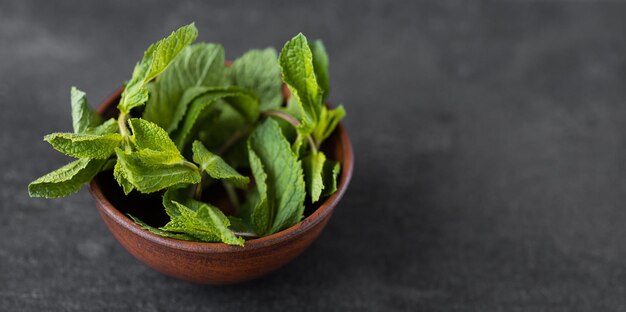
pixel 313 166
pixel 199 109
pixel 83 116
pixel 149 156
pixel 258 71
pixel 167 49
pixel 160 232
pixel 156 164
pixel 204 222
pixel 136 96
pixel 108 127
pixel 320 65
pixel 330 174
pixel 216 167
pixel 155 60
pixel 84 145
pixel 148 135
pixel 197 65
pixel 245 102
pixel 120 177
pixel 66 180
pixel 260 213
pixel 296 62
pixel 269 151
pixel 175 194
pixel 135 92
pixel 182 196
pixel 329 119
pixel 203 99
pixel 147 172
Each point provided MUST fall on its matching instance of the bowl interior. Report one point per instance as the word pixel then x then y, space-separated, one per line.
pixel 149 209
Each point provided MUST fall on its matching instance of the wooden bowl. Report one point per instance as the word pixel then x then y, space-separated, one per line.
pixel 215 263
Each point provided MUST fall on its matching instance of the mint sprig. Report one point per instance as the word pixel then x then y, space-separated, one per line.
pixel 205 126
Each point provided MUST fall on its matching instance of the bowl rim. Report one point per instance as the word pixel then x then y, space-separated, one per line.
pixel 292 232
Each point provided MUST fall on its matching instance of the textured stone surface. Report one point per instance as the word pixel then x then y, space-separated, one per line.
pixel 490 141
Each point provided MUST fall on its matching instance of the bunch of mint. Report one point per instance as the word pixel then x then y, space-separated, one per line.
pixel 188 121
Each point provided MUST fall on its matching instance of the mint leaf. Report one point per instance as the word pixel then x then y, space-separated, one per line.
pixel 243 101
pixel 330 175
pixel 66 180
pixel 156 163
pixel 199 110
pixel 83 116
pixel 296 62
pixel 258 71
pixel 84 145
pixel 270 154
pixel 160 232
pixel 216 167
pixel 167 49
pixel 320 65
pixel 175 194
pixel 148 135
pixel 261 214
pixel 136 96
pixel 149 156
pixel 120 177
pixel 197 65
pixel 203 222
pixel 329 119
pixel 147 172
pixel 135 93
pixel 108 127
pixel 155 60
pixel 313 166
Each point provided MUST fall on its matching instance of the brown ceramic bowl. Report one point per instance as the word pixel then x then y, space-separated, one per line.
pixel 214 263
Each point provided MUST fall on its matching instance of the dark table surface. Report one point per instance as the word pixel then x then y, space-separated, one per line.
pixel 490 142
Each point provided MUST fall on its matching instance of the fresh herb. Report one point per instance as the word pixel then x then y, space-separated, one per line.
pixel 188 121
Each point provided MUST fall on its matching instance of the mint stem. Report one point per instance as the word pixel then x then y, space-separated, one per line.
pixel 198 190
pixel 121 122
pixel 246 234
pixel 294 122
pixel 284 116
pixel 238 135
pixel 312 144
pixel 191 165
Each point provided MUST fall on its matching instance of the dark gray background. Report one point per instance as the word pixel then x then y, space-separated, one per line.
pixel 489 140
